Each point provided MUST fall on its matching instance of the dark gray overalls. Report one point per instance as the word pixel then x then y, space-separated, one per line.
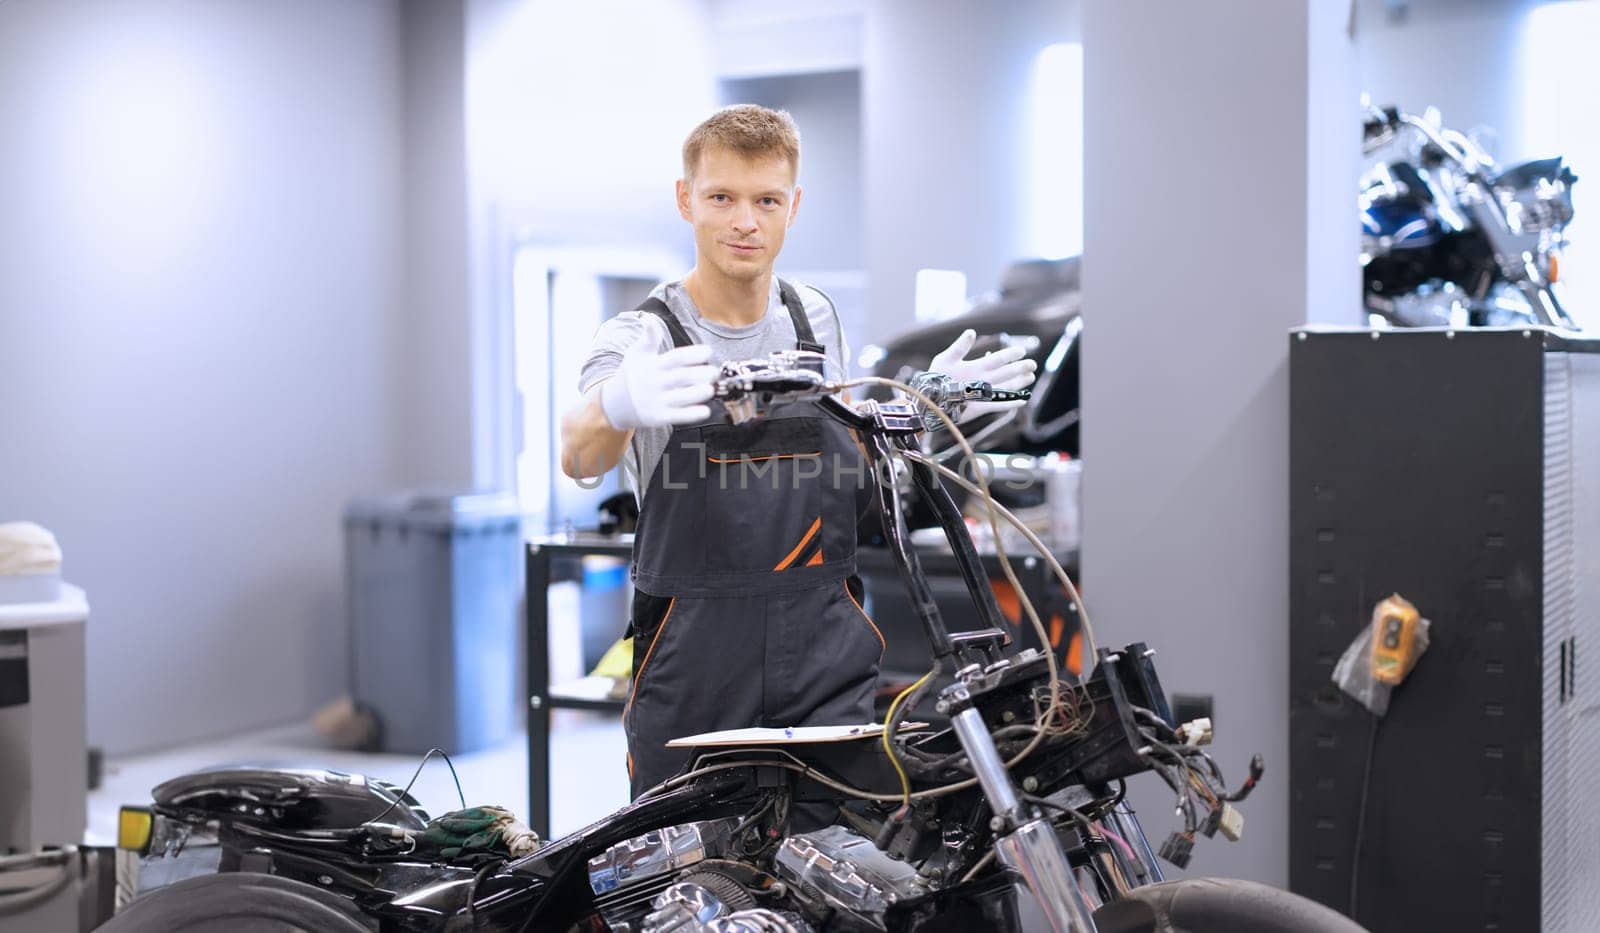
pixel 745 548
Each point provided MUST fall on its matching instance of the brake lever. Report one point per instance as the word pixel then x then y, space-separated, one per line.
pixel 952 396
pixel 749 388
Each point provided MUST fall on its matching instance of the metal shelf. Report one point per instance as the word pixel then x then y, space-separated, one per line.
pixel 590 692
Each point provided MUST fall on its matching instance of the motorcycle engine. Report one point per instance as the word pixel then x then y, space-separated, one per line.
pixel 837 869
pixel 627 877
pixel 683 878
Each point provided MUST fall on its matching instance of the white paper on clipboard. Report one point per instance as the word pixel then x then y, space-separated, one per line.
pixel 792 735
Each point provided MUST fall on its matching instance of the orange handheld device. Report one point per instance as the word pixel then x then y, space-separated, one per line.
pixel 1394 639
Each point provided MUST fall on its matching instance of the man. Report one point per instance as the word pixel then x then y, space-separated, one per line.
pixel 745 545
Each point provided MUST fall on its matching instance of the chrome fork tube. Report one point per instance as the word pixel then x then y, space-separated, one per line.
pixel 1031 849
pixel 1127 826
pixel 986 763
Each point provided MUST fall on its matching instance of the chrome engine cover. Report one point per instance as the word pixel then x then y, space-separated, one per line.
pixel 690 908
pixel 844 870
pixel 627 877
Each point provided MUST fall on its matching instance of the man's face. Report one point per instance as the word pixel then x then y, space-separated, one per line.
pixel 741 209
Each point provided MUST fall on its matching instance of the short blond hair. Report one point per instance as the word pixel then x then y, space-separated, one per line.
pixel 750 130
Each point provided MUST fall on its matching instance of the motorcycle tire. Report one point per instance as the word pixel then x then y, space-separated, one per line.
pixel 1213 905
pixel 240 902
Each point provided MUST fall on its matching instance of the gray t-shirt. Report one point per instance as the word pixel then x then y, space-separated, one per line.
pixel 773 332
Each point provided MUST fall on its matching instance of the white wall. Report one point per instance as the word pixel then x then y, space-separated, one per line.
pixel 1201 219
pixel 1332 127
pixel 576 115
pixel 1562 83
pixel 824 247
pixel 827 108
pixel 200 337
pixel 763 38
pixel 1462 56
pixel 945 111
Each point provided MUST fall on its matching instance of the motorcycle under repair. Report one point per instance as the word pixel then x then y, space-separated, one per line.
pixel 1011 817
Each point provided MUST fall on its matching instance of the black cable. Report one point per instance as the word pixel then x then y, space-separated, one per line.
pixel 1073 812
pixel 1141 712
pixel 1088 826
pixel 418 773
pixel 1100 807
pixel 1092 833
pixel 1181 754
pixel 931 761
pixel 1361 818
pixel 1181 750
pixel 780 812
pixel 1175 754
pixel 472 889
pixel 1191 820
pixel 16 903
pixel 1256 770
pixel 755 814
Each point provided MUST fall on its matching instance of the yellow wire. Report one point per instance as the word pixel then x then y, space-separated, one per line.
pixel 1200 785
pixel 905 782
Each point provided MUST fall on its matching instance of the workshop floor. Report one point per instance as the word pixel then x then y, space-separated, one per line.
pixel 587 752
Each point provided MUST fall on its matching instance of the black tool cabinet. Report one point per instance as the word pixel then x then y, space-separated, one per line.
pixel 1460 469
pixel 906 659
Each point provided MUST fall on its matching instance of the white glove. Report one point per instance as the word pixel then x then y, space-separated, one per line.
pixel 653 390
pixel 1004 369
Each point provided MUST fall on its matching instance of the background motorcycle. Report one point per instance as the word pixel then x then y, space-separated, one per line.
pixel 1037 306
pixel 1011 818
pixel 1448 238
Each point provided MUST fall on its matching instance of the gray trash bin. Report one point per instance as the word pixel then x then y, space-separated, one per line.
pixel 434 584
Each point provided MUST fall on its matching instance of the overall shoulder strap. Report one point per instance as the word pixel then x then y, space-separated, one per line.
pixel 680 337
pixel 805 339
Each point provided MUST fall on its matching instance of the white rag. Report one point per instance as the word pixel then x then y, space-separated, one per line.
pixel 28 548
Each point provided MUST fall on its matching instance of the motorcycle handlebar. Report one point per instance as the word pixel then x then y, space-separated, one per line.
pixel 749 388
pixel 1452 144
